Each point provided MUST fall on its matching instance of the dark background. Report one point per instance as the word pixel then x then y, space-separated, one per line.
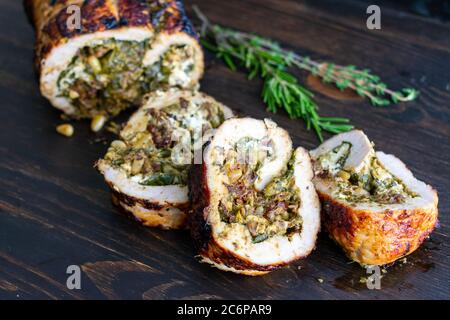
pixel 55 209
pixel 427 8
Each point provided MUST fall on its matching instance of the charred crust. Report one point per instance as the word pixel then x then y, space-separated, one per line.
pixel 220 255
pixel 133 13
pixel 170 17
pixel 109 23
pixel 124 211
pixel 199 197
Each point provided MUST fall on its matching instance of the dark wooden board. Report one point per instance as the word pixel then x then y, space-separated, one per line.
pixel 56 210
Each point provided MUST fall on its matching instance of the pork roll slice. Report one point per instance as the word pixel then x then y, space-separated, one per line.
pixel 254 205
pixel 372 205
pixel 119 51
pixel 147 169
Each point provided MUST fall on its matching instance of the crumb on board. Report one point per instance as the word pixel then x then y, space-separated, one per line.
pixel 65 129
pixel 98 122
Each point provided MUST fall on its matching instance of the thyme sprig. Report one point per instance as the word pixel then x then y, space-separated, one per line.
pixel 281 90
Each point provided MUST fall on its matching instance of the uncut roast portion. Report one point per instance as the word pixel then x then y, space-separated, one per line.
pixel 147 169
pixel 123 50
pixel 372 205
pixel 254 205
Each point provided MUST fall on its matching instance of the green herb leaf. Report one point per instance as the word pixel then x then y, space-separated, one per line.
pixel 160 179
pixel 281 89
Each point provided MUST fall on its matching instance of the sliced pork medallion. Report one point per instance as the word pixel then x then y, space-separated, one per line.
pixel 254 205
pixel 372 205
pixel 119 51
pixel 147 170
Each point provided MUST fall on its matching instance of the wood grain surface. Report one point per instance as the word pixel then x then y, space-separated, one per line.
pixel 55 209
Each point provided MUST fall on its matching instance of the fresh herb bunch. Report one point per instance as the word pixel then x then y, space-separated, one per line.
pixel 265 58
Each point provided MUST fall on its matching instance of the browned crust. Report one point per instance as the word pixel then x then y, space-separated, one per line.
pixel 50 19
pixel 202 234
pixel 372 238
pixel 161 218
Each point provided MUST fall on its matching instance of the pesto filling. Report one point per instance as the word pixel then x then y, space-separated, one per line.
pixel 266 213
pixel 108 77
pixel 162 154
pixel 372 183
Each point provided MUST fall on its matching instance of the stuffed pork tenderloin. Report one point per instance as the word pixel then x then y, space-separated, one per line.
pixel 372 205
pixel 254 205
pixel 121 51
pixel 147 169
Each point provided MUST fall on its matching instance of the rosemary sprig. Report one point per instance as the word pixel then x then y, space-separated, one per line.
pixel 265 58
